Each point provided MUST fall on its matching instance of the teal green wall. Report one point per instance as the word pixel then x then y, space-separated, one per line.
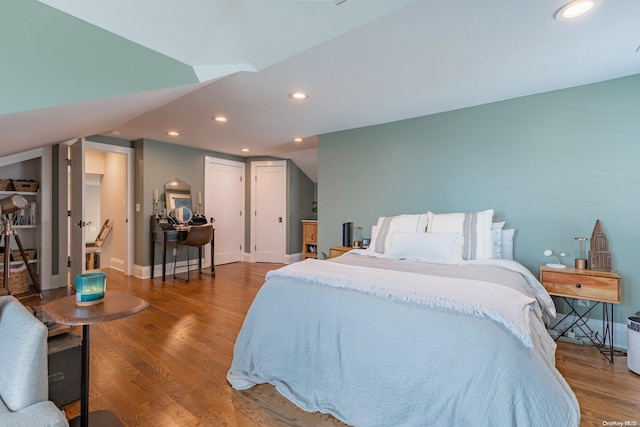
pixel 549 164
pixel 51 58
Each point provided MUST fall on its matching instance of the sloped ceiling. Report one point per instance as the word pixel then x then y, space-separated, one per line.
pixel 172 66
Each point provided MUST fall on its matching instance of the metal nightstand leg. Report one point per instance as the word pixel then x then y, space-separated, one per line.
pixel 605 345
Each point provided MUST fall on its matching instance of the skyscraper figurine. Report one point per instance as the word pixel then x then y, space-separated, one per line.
pixel 599 255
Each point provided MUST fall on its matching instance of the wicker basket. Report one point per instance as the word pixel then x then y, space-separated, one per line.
pixel 30 253
pixel 18 281
pixel 29 186
pixel 4 184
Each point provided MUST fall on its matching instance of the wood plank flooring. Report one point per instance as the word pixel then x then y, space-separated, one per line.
pixel 167 365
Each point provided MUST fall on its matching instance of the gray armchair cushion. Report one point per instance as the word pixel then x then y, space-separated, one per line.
pixel 23 365
pixel 43 414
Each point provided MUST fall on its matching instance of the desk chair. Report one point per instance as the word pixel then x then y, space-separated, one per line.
pixel 198 236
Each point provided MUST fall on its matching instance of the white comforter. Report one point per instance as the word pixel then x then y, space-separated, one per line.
pixel 368 346
pixel 473 297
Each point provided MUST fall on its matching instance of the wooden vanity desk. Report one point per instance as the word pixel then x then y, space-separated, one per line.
pixel 164 231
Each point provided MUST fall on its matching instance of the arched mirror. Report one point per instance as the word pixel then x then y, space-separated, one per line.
pixel 177 194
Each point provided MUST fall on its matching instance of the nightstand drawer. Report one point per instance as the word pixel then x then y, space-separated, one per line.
pixel 336 251
pixel 581 286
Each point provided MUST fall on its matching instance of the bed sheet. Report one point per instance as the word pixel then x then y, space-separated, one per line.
pixel 370 361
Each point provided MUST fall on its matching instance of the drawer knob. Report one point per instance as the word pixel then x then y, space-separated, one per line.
pixel 578 285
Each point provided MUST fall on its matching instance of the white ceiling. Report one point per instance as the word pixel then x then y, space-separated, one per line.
pixel 362 62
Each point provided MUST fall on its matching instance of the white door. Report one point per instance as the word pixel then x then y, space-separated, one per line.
pixel 268 209
pixel 78 251
pixel 224 207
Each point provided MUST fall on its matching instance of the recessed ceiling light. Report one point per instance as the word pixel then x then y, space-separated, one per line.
pixel 115 132
pixel 173 133
pixel 245 150
pixel 297 139
pixel 298 96
pixel 576 9
pixel 220 119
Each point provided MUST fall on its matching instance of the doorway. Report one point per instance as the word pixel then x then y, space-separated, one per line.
pixel 97 174
pixel 268 211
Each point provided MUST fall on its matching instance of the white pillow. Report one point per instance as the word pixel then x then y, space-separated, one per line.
pixel 474 227
pixel 386 226
pixel 496 239
pixel 437 248
pixel 507 243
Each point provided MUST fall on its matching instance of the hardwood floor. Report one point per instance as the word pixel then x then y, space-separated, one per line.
pixel 167 365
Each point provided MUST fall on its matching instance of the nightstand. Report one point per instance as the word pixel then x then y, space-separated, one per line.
pixel 602 287
pixel 336 251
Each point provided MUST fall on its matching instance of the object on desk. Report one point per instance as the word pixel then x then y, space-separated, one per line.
pixel 559 264
pixel 177 193
pixel 357 243
pixel 181 215
pixel 198 217
pixel 599 255
pixel 581 262
pixel 156 204
pixel 90 288
pixel 346 233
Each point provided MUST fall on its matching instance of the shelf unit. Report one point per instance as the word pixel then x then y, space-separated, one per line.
pixel 309 239
pixel 26 224
pixel 33 224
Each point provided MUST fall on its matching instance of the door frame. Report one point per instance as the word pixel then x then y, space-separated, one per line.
pixel 64 197
pixel 254 185
pixel 128 152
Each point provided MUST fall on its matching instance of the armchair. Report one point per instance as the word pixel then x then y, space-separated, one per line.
pixel 24 382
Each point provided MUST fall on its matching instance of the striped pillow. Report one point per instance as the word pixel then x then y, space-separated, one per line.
pixel 387 225
pixel 474 227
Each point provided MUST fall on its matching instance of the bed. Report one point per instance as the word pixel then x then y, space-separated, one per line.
pixel 380 340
